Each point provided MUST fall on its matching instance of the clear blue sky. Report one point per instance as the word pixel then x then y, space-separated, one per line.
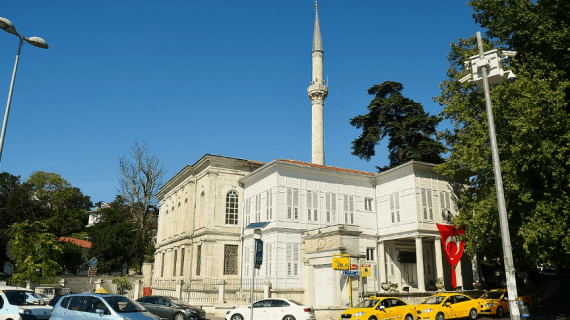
pixel 219 77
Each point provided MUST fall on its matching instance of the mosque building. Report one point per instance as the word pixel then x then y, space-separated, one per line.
pixel 383 221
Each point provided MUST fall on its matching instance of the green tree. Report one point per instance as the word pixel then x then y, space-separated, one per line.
pixel 114 238
pixel 139 183
pixel 72 259
pixel 36 252
pixel 64 206
pixel 533 133
pixel 411 131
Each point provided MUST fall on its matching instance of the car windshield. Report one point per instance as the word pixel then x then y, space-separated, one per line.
pixel 180 302
pixel 492 295
pixel 434 300
pixel 22 297
pixel 123 304
pixel 367 303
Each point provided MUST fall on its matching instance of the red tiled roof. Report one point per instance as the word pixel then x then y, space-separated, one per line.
pixel 82 243
pixel 256 162
pixel 326 167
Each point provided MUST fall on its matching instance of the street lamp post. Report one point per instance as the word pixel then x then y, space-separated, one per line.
pixel 7 26
pixel 486 68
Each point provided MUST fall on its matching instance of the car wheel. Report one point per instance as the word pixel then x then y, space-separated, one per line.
pixel 473 314
pixel 440 316
pixel 179 316
pixel 500 312
pixel 409 317
pixel 372 318
pixel 288 317
pixel 237 316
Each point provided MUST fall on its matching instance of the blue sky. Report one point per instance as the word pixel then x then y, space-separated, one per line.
pixel 219 77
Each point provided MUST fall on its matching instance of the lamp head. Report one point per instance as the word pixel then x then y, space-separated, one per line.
pixel 8 26
pixel 37 42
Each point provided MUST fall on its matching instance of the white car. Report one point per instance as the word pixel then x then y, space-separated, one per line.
pixel 273 309
pixel 22 303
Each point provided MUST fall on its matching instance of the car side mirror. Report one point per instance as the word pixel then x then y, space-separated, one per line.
pixel 381 307
pixel 448 304
pixel 99 311
pixel 506 298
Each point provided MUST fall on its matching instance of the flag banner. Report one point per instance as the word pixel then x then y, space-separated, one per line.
pixel 452 247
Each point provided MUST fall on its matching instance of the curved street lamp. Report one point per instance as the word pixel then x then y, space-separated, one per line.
pixel 8 26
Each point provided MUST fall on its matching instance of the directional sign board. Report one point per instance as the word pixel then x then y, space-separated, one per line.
pixel 258 253
pixel 350 273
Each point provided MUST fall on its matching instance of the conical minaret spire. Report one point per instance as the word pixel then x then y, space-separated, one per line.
pixel 318 92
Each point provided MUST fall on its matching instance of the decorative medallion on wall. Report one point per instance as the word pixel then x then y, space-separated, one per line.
pixel 321 243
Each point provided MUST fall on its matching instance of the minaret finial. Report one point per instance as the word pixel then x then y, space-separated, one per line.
pixel 316 6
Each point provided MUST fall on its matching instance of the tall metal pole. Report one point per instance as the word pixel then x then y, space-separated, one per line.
pixel 5 123
pixel 505 235
pixel 252 275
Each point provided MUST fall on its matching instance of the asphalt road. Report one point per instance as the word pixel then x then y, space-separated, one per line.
pixel 556 308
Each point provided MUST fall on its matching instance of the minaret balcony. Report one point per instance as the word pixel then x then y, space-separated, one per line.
pixel 317 87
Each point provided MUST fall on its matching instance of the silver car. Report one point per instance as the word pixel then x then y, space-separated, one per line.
pixel 99 307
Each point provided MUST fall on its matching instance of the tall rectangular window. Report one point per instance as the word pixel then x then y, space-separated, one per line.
pixel 333 206
pixel 162 267
pixel 198 259
pixel 316 206
pixel 230 259
pixel 349 209
pixel 232 207
pixel 292 259
pixel 328 206
pixel 370 254
pixel 309 205
pixel 269 204
pixel 395 207
pixel 182 261
pixel 174 264
pixel 427 206
pixel 345 203
pixel 296 203
pixel 368 204
pixel 293 203
pixel 289 203
pixel 258 208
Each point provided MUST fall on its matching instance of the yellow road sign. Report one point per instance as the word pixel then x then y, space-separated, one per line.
pixel 340 263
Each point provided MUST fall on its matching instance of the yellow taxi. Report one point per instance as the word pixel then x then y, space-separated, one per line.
pixel 448 306
pixel 496 302
pixel 375 308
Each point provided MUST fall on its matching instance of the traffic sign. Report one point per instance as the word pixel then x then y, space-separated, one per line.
pixel 353 267
pixel 92 271
pixel 93 262
pixel 258 253
pixel 350 273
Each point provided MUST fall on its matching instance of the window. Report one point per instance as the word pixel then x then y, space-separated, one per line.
pixel 369 254
pixel 269 204
pixel 182 262
pixel 427 204
pixel 333 205
pixel 174 264
pixel 292 203
pixel 328 206
pixel 94 303
pixel 445 207
pixel 258 208
pixel 230 259
pixel 198 259
pixel 316 206
pixel 247 210
pixel 292 259
pixel 312 205
pixel 309 205
pixel 349 209
pixel 162 267
pixel 368 204
pixel 395 207
pixel 232 207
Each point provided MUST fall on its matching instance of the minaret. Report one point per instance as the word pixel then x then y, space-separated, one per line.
pixel 318 92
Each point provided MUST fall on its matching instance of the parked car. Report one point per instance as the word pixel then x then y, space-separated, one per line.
pixel 274 308
pixel 22 303
pixel 448 306
pixel 496 302
pixel 381 308
pixel 93 306
pixel 172 308
pixel 54 300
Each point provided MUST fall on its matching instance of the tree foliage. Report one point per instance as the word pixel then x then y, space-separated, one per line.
pixel 114 238
pixel 139 183
pixel 411 131
pixel 72 259
pixel 532 126
pixel 36 252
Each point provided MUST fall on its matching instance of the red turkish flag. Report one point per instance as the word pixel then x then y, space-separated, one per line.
pixel 452 247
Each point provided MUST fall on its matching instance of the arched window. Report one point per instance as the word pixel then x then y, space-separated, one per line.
pixel 232 207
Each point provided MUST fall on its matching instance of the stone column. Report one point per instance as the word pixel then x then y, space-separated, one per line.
pixel 420 264
pixel 458 275
pixel 137 287
pixel 221 291
pixel 381 263
pixel 178 293
pixel 266 289
pixel 438 257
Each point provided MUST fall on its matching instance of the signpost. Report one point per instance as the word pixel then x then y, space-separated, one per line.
pixel 258 253
pixel 93 267
pixel 365 270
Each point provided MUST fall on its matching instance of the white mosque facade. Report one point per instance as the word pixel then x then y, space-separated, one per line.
pixel 383 221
